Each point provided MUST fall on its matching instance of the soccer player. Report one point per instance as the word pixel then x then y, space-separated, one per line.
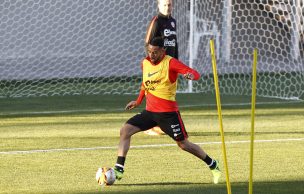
pixel 163 25
pixel 159 84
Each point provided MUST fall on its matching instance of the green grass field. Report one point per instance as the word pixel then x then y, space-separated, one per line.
pixel 56 144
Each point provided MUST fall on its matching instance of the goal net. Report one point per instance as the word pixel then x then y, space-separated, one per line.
pixel 274 27
pixel 73 47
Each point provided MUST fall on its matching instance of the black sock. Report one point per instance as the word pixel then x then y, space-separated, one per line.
pixel 120 163
pixel 210 162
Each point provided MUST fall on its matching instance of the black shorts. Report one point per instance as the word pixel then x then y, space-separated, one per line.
pixel 170 122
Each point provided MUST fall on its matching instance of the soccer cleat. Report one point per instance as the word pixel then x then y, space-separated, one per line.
pixel 154 131
pixel 118 173
pixel 216 173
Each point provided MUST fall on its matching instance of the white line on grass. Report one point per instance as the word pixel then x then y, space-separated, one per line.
pixel 147 146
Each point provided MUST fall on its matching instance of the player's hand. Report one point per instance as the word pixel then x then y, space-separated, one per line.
pixel 131 105
pixel 189 76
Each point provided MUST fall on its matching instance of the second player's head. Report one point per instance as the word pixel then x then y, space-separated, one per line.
pixel 165 7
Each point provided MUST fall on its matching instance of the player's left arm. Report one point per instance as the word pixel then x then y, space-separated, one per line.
pixel 177 67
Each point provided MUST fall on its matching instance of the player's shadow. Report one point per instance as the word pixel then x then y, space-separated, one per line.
pixel 271 187
pixel 159 184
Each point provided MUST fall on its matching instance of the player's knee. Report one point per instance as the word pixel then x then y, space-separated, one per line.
pixel 127 131
pixel 124 131
pixel 182 145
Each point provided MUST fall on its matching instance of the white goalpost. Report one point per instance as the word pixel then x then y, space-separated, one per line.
pixel 54 47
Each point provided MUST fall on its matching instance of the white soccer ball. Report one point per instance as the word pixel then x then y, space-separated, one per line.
pixel 105 176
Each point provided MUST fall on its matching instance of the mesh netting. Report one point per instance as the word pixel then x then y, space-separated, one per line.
pixel 71 47
pixel 240 27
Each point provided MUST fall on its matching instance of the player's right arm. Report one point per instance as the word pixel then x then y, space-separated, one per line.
pixel 141 95
pixel 152 31
pixel 134 104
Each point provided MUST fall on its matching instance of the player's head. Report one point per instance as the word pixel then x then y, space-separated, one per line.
pixel 165 7
pixel 156 49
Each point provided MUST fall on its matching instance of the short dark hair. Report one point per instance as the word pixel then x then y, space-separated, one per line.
pixel 157 41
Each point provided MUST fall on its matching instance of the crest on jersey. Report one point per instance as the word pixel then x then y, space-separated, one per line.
pixel 172 24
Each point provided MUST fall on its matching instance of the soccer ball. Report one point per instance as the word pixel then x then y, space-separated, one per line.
pixel 105 176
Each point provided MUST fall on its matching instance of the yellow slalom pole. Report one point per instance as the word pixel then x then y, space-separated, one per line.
pixel 253 94
pixel 218 102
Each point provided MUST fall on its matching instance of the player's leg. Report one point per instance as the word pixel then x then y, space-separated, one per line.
pixel 137 123
pixel 172 124
pixel 192 148
pixel 197 151
pixel 123 147
pixel 125 138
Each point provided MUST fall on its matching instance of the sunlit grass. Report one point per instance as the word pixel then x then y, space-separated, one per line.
pixel 277 165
